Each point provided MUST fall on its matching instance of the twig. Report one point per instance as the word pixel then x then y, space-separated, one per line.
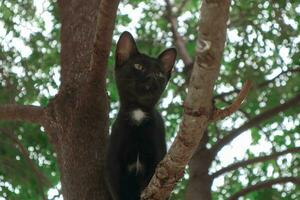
pixel 260 85
pixel 220 114
pixel 264 184
pixel 254 122
pixel 179 42
pixel 244 163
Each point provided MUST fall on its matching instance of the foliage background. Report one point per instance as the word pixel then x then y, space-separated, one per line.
pixel 263 46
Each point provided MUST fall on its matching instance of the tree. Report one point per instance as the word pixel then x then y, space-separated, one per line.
pixel 262 46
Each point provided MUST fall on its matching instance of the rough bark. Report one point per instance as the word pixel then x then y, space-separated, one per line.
pixel 197 106
pixel 78 115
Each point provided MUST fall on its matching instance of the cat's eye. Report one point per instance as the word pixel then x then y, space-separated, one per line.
pixel 138 67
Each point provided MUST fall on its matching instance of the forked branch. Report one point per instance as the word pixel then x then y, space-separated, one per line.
pixel 265 184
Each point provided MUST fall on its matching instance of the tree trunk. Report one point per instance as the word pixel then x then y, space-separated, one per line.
pixel 81 130
pixel 78 115
pixel 199 185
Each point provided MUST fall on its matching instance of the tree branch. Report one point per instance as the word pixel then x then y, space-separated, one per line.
pixel 179 42
pixel 255 121
pixel 103 37
pixel 222 113
pixel 264 184
pixel 34 114
pixel 244 163
pixel 209 51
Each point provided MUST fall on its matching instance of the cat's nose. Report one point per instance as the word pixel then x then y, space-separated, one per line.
pixel 150 77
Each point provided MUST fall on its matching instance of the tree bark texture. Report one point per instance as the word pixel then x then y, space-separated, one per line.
pixel 198 104
pixel 33 114
pixel 78 115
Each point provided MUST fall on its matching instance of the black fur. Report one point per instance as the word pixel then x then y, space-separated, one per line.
pixel 140 81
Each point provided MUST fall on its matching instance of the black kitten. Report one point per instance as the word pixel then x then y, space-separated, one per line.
pixel 137 141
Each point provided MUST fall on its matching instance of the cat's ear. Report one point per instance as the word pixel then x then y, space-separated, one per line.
pixel 126 47
pixel 167 58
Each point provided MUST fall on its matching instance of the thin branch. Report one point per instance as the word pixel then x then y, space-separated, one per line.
pixel 265 184
pixel 220 114
pixel 179 41
pixel 103 37
pixel 244 163
pixel 222 99
pixel 34 114
pixel 254 122
pixel 260 85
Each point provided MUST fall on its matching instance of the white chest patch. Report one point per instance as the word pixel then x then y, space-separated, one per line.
pixel 138 116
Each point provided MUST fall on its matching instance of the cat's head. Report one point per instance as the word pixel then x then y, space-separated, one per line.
pixel 141 79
